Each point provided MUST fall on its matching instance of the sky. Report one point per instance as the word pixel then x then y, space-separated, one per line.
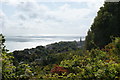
pixel 48 17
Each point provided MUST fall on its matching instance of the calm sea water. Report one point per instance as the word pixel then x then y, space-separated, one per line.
pixel 23 42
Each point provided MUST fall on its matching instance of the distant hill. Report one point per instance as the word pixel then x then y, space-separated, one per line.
pixel 40 52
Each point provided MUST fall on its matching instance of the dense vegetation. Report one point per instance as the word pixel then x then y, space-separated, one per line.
pixel 67 60
pixel 45 54
pixel 74 64
pixel 106 25
pixel 95 64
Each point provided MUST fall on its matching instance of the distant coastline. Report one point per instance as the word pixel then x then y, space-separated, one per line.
pixel 23 42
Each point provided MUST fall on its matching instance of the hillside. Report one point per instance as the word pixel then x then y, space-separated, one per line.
pixel 98 60
pixel 41 52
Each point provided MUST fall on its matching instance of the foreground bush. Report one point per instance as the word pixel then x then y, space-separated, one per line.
pixel 96 64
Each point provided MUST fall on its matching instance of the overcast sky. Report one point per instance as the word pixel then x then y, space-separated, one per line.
pixel 48 17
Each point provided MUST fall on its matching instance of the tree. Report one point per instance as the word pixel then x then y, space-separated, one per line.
pixel 6 61
pixel 105 26
pixel 9 71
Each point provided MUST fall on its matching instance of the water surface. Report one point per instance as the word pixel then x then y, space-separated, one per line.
pixel 22 42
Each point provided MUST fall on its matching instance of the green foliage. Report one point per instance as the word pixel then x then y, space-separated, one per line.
pixel 9 70
pixel 23 71
pixel 6 61
pixel 117 46
pixel 7 67
pixel 96 64
pixel 45 54
pixel 99 63
pixel 2 40
pixel 80 65
pixel 105 25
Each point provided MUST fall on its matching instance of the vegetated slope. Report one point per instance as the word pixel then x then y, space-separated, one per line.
pixel 41 53
pixel 105 26
pixel 71 65
pixel 97 64
pixel 71 62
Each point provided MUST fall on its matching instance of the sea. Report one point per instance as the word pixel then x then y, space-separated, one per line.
pixel 26 42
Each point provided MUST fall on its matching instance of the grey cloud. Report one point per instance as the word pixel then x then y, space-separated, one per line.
pixel 31 10
pixel 31 18
pixel 53 18
pixel 27 6
pixel 112 0
pixel 22 17
pixel 34 15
